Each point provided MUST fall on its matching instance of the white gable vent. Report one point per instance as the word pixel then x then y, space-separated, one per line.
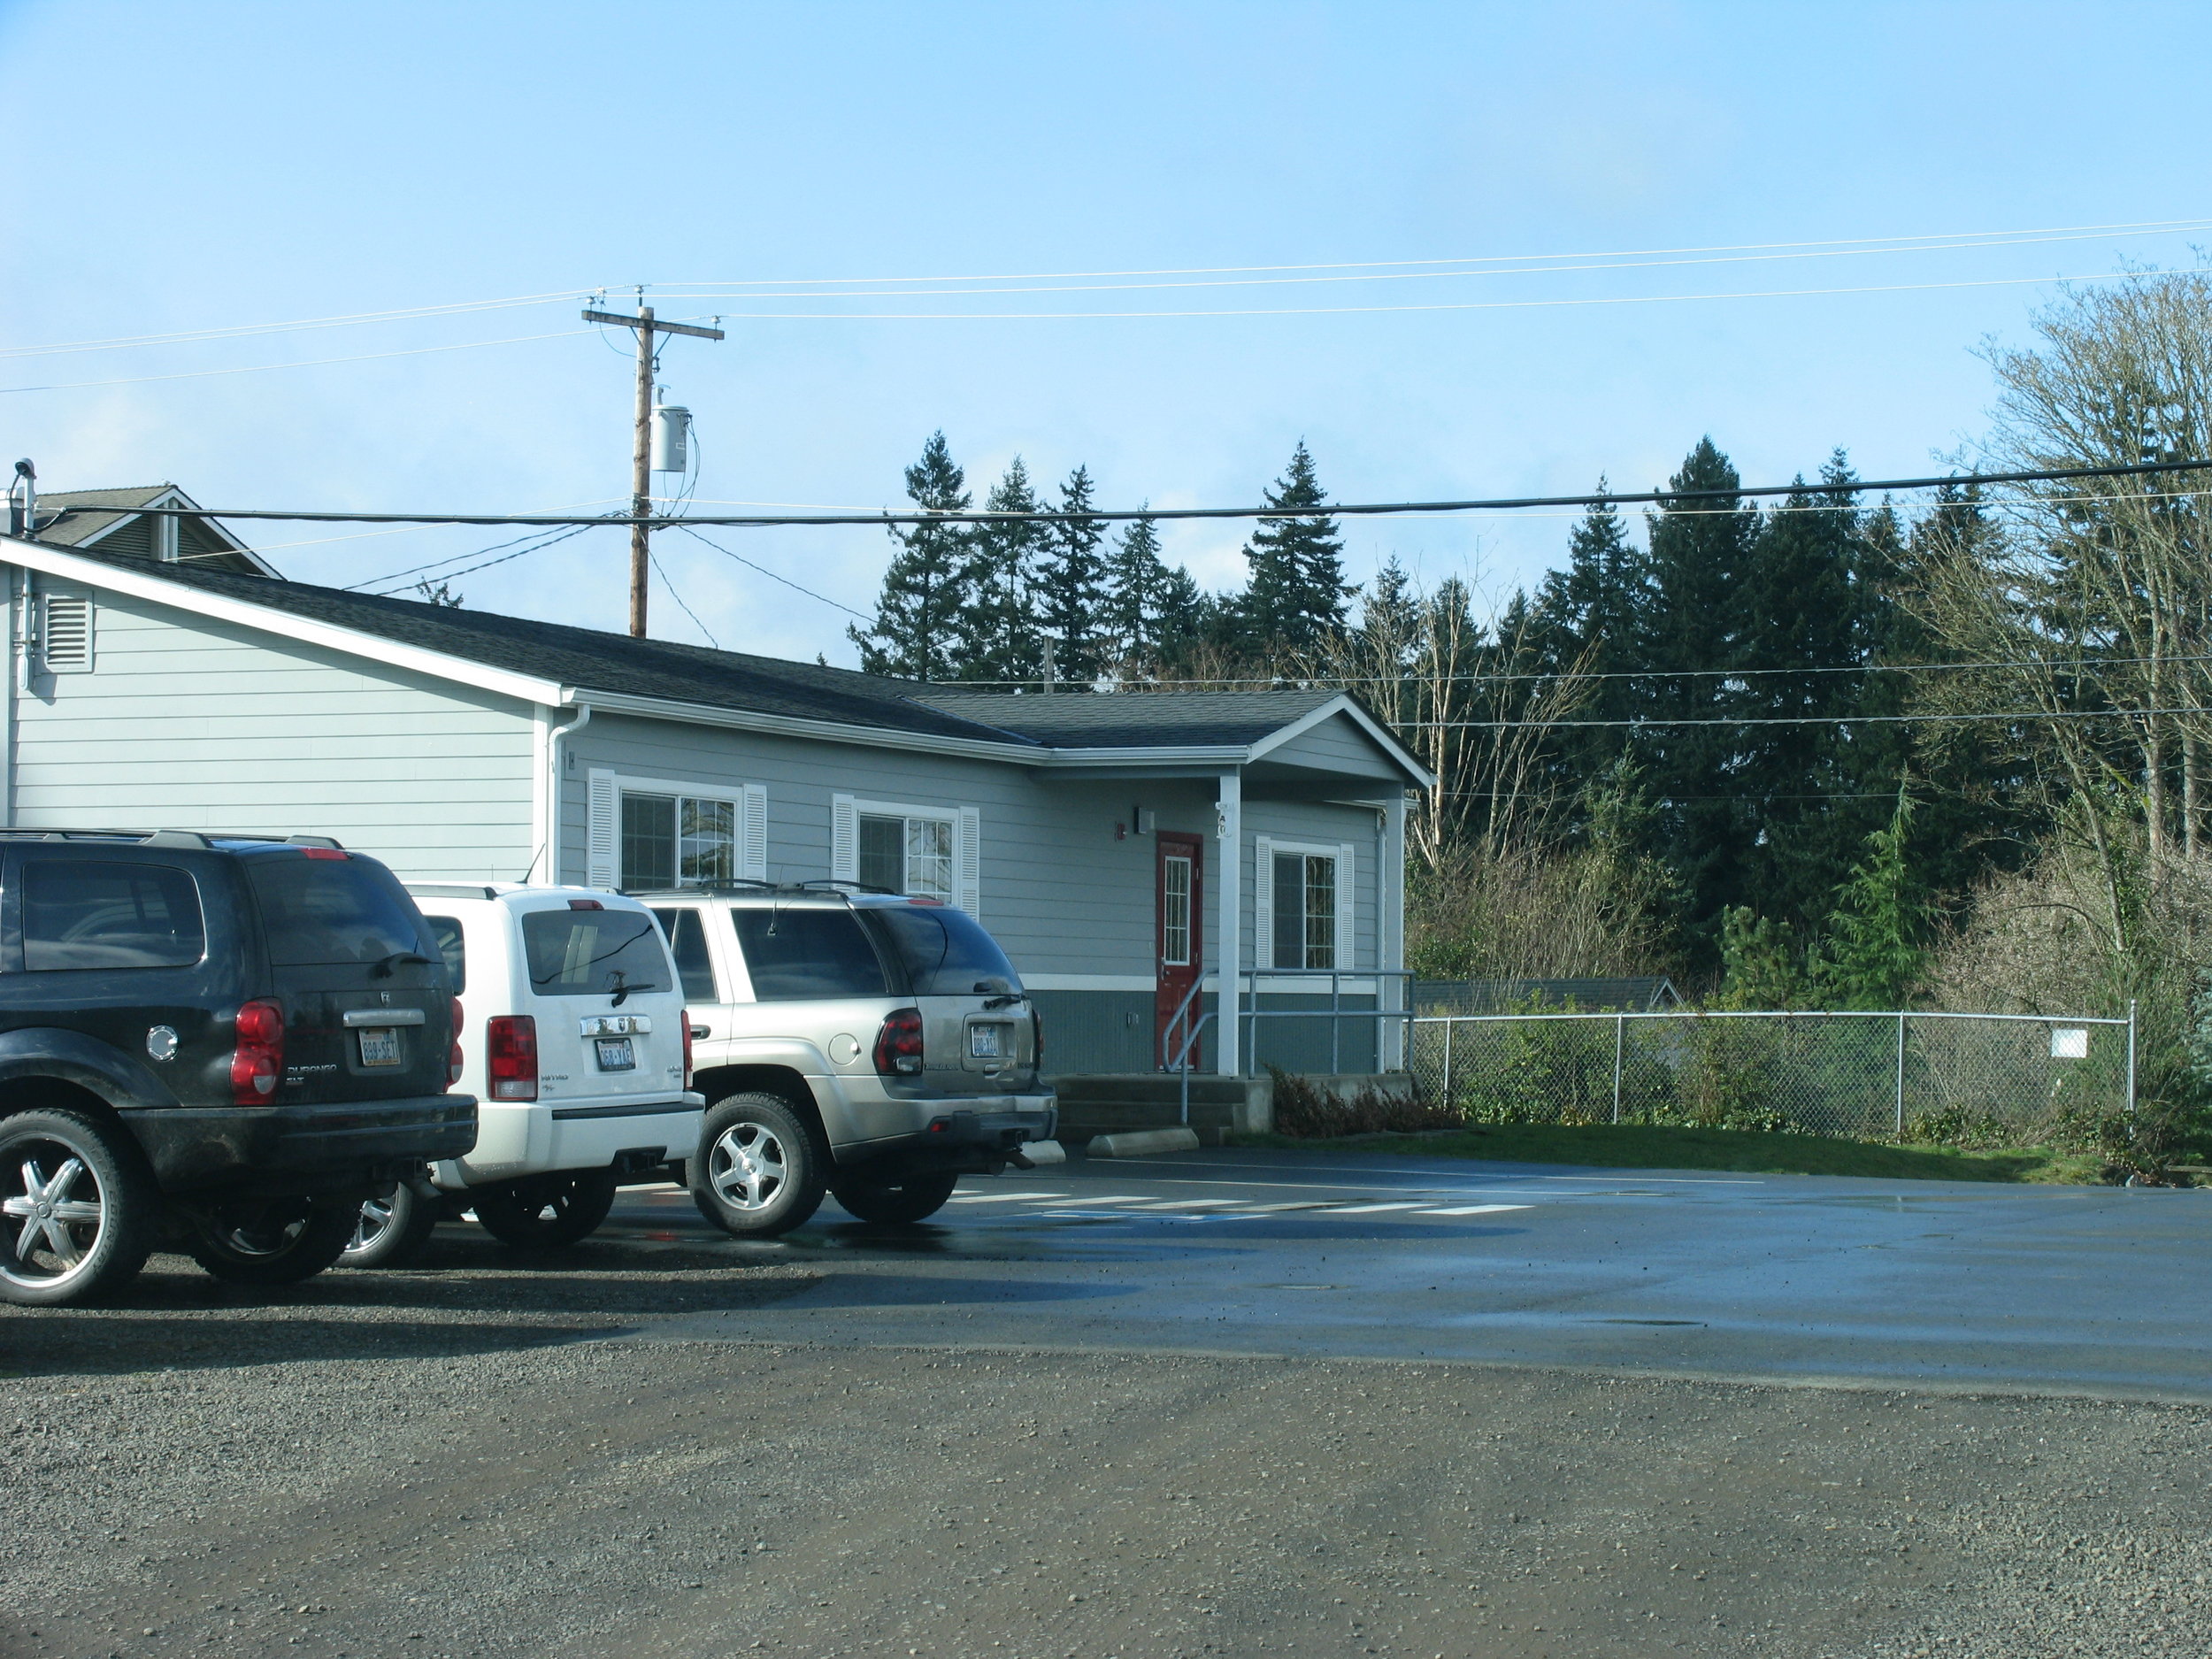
pixel 66 647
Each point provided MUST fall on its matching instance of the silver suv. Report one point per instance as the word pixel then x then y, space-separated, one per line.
pixel 870 1046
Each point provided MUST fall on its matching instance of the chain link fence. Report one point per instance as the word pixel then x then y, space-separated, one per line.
pixel 1956 1078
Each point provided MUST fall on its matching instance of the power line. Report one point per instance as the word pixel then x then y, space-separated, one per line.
pixel 1377 311
pixel 190 337
pixel 1322 511
pixel 1794 719
pixel 677 595
pixel 1415 677
pixel 467 568
pixel 450 558
pixel 2145 225
pixel 306 363
pixel 1405 276
pixel 677 524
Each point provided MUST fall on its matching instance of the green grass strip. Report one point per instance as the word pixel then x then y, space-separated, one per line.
pixel 1634 1146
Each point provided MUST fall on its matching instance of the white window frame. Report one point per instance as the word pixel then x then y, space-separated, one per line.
pixel 603 861
pixel 846 812
pixel 1263 850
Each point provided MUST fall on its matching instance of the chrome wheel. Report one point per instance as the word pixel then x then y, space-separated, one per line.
pixel 55 1211
pixel 745 1165
pixel 375 1224
pixel 78 1208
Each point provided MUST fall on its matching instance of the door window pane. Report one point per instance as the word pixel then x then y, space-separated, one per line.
pixel 1175 912
pixel 649 842
pixel 883 854
pixel 88 914
pixel 709 853
pixel 929 858
pixel 688 943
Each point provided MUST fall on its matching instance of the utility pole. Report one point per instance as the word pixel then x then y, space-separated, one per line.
pixel 642 450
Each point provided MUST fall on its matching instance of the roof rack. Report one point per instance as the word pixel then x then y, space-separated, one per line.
pixel 838 884
pixel 199 839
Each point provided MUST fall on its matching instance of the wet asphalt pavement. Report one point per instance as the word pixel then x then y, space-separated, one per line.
pixel 2095 1290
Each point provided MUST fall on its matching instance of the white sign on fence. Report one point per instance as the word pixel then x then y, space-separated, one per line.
pixel 2070 1043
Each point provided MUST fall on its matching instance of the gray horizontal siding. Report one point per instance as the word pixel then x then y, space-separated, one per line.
pixel 193 723
pixel 1336 745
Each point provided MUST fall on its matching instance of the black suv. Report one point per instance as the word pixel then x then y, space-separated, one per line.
pixel 219 1042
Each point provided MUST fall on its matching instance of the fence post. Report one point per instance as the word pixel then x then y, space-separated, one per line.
pixel 1900 1074
pixel 2130 1055
pixel 1449 1023
pixel 1620 1032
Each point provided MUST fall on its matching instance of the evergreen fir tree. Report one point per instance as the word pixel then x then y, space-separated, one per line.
pixel 914 635
pixel 1000 638
pixel 1877 942
pixel 1589 618
pixel 1072 587
pixel 1693 624
pixel 1136 596
pixel 1297 595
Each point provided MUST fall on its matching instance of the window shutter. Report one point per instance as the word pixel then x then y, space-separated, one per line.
pixel 753 835
pixel 1263 903
pixel 968 863
pixel 602 834
pixel 67 647
pixel 1346 941
pixel 844 839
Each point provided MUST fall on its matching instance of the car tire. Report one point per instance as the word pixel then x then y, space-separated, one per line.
pixel 760 1171
pixel 269 1240
pixel 395 1222
pixel 544 1212
pixel 90 1222
pixel 897 1201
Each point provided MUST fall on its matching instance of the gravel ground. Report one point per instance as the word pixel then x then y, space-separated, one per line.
pixel 500 1459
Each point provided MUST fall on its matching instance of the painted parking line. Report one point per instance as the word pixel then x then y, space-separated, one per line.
pixel 1476 1209
pixel 1199 1203
pixel 1002 1198
pixel 1369 1209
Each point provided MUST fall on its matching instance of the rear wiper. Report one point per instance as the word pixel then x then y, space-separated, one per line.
pixel 383 970
pixel 1005 1000
pixel 623 988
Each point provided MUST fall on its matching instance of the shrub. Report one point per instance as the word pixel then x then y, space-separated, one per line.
pixel 1312 1113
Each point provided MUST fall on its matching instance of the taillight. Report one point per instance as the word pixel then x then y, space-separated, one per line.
pixel 511 1057
pixel 453 1061
pixel 256 1062
pixel 686 1018
pixel 899 1044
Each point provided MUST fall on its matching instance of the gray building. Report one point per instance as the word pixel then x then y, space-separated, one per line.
pixel 1113 843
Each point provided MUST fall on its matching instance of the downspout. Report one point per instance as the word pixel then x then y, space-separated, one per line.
pixel 550 832
pixel 1228 993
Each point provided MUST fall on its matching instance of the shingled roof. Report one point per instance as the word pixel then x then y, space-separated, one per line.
pixel 596 661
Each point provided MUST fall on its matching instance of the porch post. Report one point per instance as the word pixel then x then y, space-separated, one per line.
pixel 1228 953
pixel 1390 929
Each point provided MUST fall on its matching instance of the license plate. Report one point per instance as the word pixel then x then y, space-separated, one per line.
pixel 617 1054
pixel 379 1046
pixel 983 1041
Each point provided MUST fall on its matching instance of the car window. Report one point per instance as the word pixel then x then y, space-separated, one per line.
pixel 944 951
pixel 83 913
pixel 447 931
pixel 793 954
pixel 593 953
pixel 687 933
pixel 333 909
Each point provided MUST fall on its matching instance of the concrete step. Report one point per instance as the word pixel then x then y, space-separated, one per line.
pixel 1094 1104
pixel 1152 1086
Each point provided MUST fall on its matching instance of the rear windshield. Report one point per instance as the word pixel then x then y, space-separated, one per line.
pixel 103 914
pixel 447 931
pixel 593 953
pixel 322 911
pixel 796 954
pixel 944 951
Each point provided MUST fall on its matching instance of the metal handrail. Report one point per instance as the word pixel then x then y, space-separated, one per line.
pixel 1248 977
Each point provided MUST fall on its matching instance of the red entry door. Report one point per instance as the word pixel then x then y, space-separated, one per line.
pixel 1179 941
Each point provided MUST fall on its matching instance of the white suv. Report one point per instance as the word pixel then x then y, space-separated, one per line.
pixel 868 1045
pixel 575 1042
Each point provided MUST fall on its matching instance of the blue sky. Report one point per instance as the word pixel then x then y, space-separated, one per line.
pixel 215 164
